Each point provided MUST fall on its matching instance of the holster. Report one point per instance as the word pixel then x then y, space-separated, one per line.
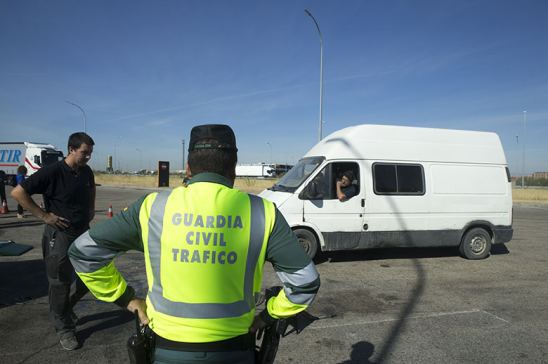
pixel 140 346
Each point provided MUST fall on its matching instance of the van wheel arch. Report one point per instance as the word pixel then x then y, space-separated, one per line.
pixel 476 242
pixel 308 240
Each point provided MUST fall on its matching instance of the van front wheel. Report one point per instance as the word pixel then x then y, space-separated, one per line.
pixel 476 244
pixel 308 241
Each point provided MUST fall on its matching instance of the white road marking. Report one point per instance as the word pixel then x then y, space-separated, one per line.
pixel 413 317
pixel 495 316
pixel 534 207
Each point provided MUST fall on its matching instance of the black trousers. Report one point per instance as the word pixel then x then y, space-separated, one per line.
pixel 2 191
pixel 55 245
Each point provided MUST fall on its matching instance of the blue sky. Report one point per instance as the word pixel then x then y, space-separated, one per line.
pixel 146 72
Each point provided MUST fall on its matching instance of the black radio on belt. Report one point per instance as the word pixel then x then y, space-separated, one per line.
pixel 140 346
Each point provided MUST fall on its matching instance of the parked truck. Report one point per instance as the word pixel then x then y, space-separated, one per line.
pixel 415 187
pixel 260 170
pixel 31 155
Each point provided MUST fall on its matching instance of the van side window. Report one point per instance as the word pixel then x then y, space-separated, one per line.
pixel 324 184
pixel 398 179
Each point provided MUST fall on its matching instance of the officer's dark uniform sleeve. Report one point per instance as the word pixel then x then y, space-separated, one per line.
pixel 295 269
pixel 93 252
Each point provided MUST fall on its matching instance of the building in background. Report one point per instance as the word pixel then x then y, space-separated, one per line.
pixel 540 175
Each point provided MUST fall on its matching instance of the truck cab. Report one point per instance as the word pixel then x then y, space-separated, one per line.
pixel 32 155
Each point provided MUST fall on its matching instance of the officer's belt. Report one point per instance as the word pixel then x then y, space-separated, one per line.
pixel 238 343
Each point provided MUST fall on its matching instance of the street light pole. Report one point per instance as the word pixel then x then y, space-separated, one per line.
pixel 307 12
pixel 117 163
pixel 523 149
pixel 270 145
pixel 140 159
pixel 184 167
pixel 82 110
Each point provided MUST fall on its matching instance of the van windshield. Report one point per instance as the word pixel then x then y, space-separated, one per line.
pixel 298 174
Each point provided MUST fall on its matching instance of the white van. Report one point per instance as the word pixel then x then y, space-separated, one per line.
pixel 416 187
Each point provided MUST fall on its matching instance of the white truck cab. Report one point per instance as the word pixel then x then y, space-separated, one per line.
pixel 412 187
pixel 31 155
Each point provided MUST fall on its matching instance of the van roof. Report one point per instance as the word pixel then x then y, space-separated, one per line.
pixel 403 143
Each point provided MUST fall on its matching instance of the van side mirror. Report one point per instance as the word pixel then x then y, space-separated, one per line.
pixel 37 160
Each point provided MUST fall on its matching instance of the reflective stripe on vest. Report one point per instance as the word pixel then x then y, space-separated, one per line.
pixel 203 310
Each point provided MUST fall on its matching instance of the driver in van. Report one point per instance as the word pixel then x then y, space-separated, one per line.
pixel 345 189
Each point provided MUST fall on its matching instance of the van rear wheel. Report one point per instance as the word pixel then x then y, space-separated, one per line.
pixel 308 241
pixel 476 244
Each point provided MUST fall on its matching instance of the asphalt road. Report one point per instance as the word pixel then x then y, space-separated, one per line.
pixel 389 305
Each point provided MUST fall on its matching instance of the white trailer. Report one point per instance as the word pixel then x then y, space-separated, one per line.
pixel 414 187
pixel 260 170
pixel 31 155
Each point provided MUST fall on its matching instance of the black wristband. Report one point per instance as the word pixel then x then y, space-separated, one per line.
pixel 127 296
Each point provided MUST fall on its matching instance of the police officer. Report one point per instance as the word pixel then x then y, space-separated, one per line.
pixel 205 247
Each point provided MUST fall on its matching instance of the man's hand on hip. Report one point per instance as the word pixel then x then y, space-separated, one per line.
pixel 57 221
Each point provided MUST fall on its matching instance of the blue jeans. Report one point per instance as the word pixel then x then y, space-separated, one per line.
pixel 165 356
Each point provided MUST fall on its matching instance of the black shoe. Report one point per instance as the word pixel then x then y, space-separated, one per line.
pixel 69 341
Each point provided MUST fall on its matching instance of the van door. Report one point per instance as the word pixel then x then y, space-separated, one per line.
pixel 341 222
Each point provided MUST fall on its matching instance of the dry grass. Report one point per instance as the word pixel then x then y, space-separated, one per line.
pixel 129 180
pixel 530 195
pixel 245 184
pixel 254 185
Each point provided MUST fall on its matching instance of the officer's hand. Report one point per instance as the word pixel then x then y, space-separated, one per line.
pixel 141 306
pixel 257 325
pixel 57 221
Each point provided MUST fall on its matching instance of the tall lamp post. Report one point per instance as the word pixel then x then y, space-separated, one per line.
pixel 115 158
pixel 184 167
pixel 140 159
pixel 270 145
pixel 82 110
pixel 523 149
pixel 307 12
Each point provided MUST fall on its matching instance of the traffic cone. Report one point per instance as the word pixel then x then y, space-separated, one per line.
pixel 109 213
pixel 4 208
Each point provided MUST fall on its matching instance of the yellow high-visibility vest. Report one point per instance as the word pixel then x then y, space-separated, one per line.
pixel 204 248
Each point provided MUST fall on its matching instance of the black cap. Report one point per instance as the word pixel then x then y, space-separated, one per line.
pixel 222 134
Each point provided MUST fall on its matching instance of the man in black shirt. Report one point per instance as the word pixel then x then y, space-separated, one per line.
pixel 68 189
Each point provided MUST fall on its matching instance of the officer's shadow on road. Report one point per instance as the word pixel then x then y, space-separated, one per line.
pixel 415 292
pixel 361 353
pixel 106 320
